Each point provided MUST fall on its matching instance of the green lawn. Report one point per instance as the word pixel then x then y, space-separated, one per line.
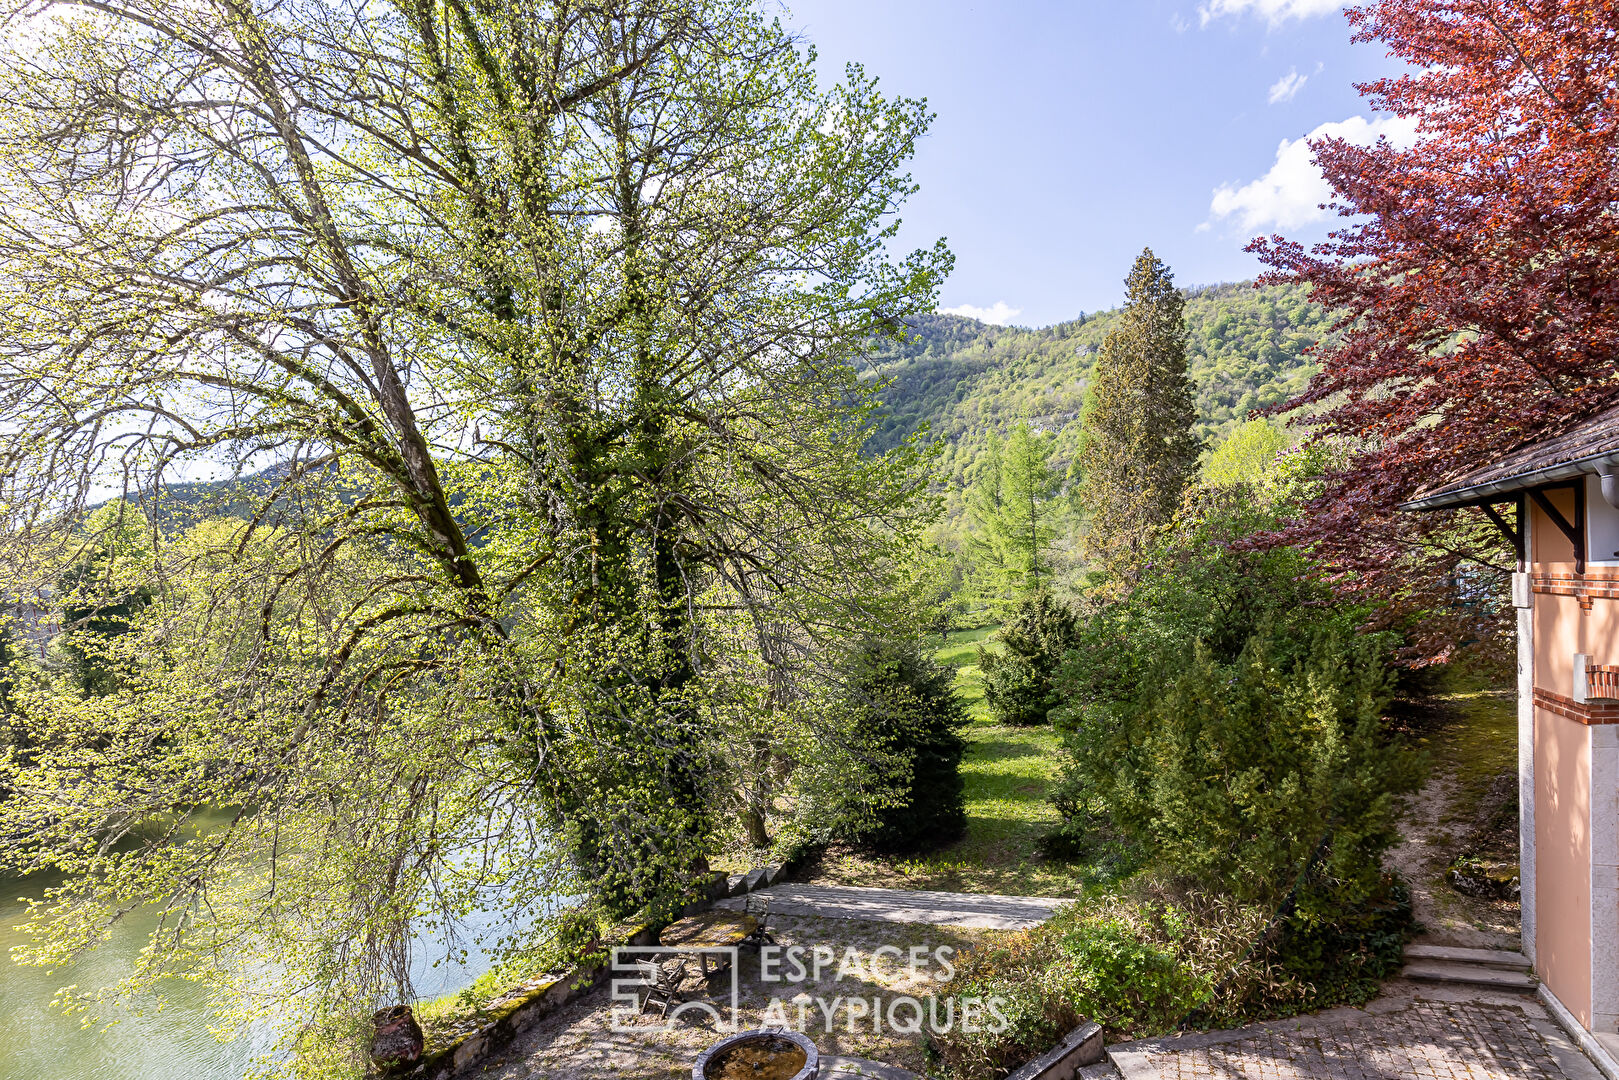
pixel 1478 745
pixel 960 651
pixel 1007 775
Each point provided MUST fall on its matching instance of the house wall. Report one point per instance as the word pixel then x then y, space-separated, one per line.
pixel 1523 600
pixel 1562 860
pixel 1574 763
pixel 1602 541
pixel 1605 876
pixel 1553 550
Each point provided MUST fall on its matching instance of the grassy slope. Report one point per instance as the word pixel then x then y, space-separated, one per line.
pixel 1477 747
pixel 1008 774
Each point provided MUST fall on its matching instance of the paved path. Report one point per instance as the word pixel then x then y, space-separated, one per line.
pixel 834 1067
pixel 906 906
pixel 1408 1033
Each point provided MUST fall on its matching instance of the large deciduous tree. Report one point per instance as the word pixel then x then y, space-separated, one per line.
pixel 1478 281
pixel 528 327
pixel 1139 452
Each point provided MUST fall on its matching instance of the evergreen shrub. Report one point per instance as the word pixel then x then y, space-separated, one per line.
pixel 909 713
pixel 1227 718
pixel 1146 960
pixel 1020 685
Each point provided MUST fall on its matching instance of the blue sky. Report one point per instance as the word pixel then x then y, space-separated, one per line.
pixel 1071 133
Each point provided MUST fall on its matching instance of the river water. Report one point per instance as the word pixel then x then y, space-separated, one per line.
pixel 39 1042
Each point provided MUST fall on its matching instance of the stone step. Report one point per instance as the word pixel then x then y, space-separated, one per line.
pixel 1495 958
pixel 1439 971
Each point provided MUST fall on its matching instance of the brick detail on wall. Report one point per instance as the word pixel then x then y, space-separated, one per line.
pixel 1597 582
pixel 1591 712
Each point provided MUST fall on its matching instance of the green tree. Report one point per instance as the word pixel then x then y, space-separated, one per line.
pixel 9 656
pixel 1020 685
pixel 533 329
pixel 1013 508
pixel 1246 455
pixel 1139 452
pixel 102 592
pixel 907 708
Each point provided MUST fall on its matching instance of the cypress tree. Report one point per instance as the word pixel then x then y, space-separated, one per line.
pixel 1139 453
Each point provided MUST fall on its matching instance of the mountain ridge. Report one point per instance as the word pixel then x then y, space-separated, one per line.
pixel 1246 349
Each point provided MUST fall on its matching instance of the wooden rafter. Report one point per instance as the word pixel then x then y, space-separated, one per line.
pixel 1576 531
pixel 1515 535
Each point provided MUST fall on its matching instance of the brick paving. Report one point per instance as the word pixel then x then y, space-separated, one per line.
pixel 1404 1037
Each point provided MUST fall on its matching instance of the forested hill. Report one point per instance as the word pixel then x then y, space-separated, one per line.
pixel 966 378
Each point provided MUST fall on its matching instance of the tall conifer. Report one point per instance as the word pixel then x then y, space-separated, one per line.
pixel 1139 452
pixel 1013 509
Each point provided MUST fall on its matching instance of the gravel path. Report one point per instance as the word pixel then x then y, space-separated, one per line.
pixel 906 906
pixel 1426 848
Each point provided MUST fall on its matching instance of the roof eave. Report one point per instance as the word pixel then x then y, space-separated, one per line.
pixel 1478 493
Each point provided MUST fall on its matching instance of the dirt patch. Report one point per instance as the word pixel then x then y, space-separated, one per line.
pixel 1465 815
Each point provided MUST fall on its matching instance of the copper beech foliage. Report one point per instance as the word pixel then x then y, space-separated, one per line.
pixel 1477 279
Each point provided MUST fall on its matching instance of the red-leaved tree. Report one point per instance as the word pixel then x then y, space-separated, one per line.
pixel 1478 278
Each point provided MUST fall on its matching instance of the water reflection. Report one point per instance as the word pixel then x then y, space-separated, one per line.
pixel 38 1042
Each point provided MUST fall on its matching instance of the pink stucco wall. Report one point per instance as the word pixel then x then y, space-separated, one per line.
pixel 1562 757
pixel 1553 551
pixel 1562 629
pixel 1558 625
pixel 1563 860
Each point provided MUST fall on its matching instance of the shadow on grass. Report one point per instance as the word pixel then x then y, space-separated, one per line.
pixel 996 750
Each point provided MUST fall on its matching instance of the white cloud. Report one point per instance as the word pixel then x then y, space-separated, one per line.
pixel 1273 11
pixel 998 315
pixel 1291 193
pixel 1287 87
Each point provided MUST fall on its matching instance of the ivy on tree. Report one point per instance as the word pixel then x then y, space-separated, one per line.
pixel 908 710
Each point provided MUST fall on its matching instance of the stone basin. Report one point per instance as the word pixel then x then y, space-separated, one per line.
pixel 764 1054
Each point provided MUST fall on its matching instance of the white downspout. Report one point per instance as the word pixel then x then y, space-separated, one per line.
pixel 1523 598
pixel 1610 487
